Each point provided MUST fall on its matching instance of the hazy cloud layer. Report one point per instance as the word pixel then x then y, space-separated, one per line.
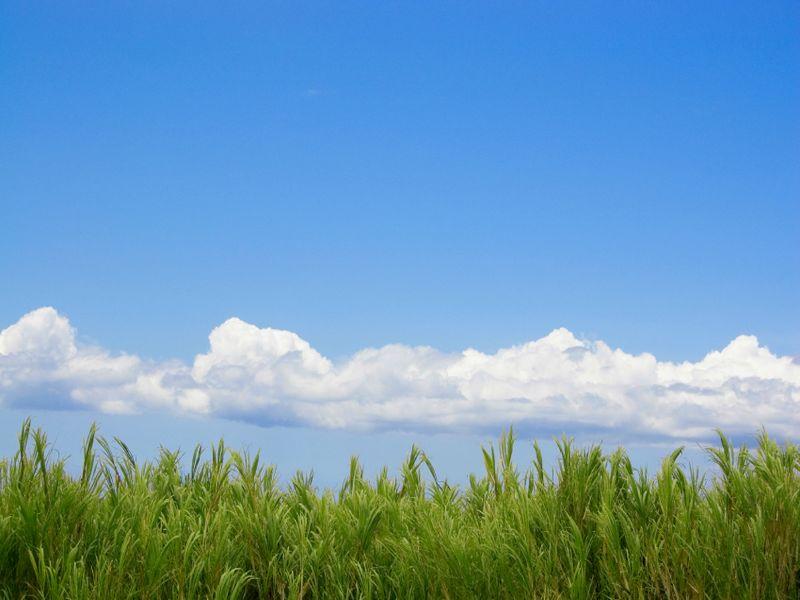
pixel 553 384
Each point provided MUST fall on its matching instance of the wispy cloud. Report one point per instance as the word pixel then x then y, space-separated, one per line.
pixel 553 384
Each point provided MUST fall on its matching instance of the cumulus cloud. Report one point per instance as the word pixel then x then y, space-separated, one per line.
pixel 558 383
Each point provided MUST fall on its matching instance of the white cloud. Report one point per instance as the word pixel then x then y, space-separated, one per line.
pixel 553 384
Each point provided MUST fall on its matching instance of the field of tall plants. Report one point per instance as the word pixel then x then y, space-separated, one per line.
pixel 223 527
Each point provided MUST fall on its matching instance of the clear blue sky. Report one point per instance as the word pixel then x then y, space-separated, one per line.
pixel 451 174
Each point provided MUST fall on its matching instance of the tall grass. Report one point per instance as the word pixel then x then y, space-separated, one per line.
pixel 594 528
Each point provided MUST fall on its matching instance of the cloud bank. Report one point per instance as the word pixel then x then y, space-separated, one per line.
pixel 555 384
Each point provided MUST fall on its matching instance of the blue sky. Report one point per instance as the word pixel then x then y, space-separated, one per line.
pixel 457 175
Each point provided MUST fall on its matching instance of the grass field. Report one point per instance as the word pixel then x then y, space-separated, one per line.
pixel 223 528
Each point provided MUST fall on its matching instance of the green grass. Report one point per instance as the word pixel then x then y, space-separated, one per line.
pixel 224 528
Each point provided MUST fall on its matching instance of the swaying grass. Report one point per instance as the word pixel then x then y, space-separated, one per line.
pixel 597 528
